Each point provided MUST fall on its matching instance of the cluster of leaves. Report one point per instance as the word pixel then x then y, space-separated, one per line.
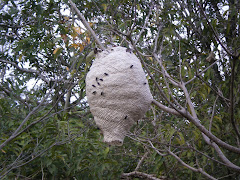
pixel 46 129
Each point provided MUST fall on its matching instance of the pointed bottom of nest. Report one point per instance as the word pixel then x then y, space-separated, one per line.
pixel 113 139
pixel 114 143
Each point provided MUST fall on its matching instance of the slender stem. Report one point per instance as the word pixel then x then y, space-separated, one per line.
pixel 200 73
pixel 145 23
pixel 194 119
pixel 164 71
pixel 180 60
pixel 213 112
pixel 16 132
pixel 165 108
pixel 214 32
pixel 141 161
pixel 220 154
pixel 200 170
pixel 218 91
pixel 232 99
pixel 86 24
pixel 26 70
pixel 141 175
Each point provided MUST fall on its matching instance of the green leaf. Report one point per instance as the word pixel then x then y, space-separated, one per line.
pixel 181 139
pixel 57 39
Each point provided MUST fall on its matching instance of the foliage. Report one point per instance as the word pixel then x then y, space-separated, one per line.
pixel 190 50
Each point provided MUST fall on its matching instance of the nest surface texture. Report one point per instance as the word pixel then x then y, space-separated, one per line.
pixel 117 92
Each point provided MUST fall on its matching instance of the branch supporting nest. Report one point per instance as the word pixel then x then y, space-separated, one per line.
pixel 138 174
pixel 86 24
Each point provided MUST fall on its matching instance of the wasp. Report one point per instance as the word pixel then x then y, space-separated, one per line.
pixel 93 85
pixel 129 50
pixel 95 51
pixel 106 74
pixel 131 66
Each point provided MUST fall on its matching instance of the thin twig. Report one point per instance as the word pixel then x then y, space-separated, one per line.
pixel 26 70
pixel 142 175
pixel 231 108
pixel 200 73
pixel 141 161
pixel 230 165
pixel 164 71
pixel 10 93
pixel 86 24
pixel 213 112
pixel 193 118
pixel 200 170
pixel 219 93
pixel 214 31
pixel 165 108
pixel 15 133
pixel 180 60
pixel 220 154
pixel 161 154
pixel 145 23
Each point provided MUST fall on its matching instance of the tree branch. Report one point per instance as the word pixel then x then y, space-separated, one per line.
pixel 145 23
pixel 9 93
pixel 213 112
pixel 200 73
pixel 184 112
pixel 84 21
pixel 16 132
pixel 221 155
pixel 26 70
pixel 165 108
pixel 193 118
pixel 152 146
pixel 141 161
pixel 138 174
pixel 33 156
pixel 231 108
pixel 164 71
pixel 149 73
pixel 214 32
pixel 200 170
pixel 218 93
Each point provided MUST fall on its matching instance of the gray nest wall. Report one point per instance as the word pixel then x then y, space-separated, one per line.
pixel 117 92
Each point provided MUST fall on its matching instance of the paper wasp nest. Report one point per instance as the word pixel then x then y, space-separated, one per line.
pixel 118 92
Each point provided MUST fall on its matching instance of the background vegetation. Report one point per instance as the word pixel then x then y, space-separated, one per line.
pixel 190 51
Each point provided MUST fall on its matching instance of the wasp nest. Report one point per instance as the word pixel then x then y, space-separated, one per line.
pixel 118 92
